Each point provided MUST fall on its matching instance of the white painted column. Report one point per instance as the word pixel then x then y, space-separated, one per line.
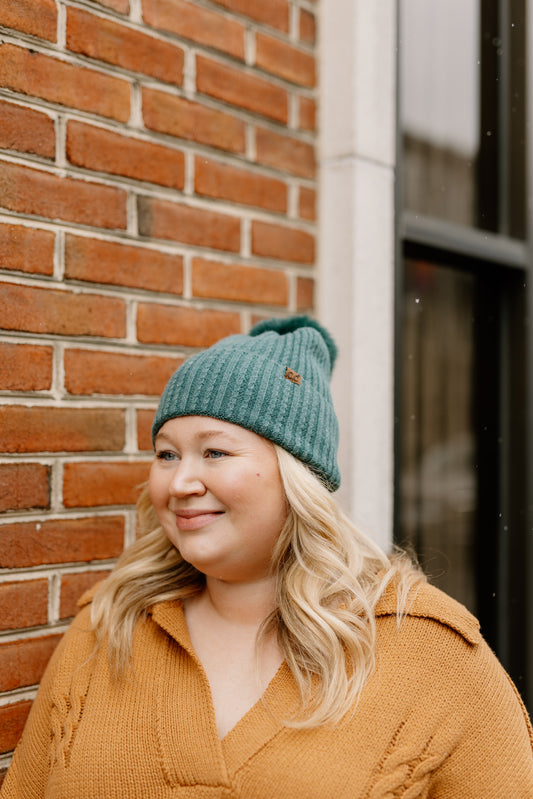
pixel 357 239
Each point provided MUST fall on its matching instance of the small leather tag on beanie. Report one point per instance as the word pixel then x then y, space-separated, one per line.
pixel 293 376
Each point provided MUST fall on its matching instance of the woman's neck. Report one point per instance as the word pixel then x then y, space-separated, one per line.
pixel 246 604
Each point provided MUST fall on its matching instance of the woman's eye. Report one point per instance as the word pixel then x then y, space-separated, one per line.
pixel 165 455
pixel 215 454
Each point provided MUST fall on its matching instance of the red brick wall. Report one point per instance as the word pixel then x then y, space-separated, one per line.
pixel 157 192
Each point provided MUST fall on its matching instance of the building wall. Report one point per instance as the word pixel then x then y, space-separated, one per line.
pixel 357 246
pixel 157 191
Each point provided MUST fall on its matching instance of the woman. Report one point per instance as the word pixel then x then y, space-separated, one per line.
pixel 252 643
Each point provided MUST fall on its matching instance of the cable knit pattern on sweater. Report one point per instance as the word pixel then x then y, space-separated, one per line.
pixel 438 719
pixel 402 775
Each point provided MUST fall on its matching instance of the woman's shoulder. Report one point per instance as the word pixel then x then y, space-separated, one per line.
pixel 426 602
pixel 437 643
pixel 78 641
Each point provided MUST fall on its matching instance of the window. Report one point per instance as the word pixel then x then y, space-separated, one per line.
pixel 461 377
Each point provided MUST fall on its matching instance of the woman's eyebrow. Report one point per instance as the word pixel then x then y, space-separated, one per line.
pixel 206 434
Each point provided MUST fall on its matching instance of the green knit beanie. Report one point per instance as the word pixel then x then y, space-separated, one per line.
pixel 274 381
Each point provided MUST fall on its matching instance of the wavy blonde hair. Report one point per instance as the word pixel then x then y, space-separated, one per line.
pixel 329 579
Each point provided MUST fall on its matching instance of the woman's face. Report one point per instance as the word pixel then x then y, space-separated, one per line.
pixel 217 491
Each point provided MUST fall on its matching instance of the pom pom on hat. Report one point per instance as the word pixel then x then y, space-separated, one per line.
pixel 274 381
pixel 283 326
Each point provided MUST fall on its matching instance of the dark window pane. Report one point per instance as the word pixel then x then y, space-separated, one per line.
pixel 438 472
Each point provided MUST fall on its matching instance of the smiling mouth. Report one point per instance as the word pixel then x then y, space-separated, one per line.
pixel 194 520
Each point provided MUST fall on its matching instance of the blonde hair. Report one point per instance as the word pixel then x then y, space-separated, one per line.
pixel 329 579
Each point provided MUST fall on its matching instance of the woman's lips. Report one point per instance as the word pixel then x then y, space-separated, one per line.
pixel 193 520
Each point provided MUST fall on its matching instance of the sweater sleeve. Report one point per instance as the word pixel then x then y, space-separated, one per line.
pixel 29 771
pixel 494 757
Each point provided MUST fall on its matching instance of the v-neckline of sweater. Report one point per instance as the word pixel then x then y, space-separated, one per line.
pixel 259 724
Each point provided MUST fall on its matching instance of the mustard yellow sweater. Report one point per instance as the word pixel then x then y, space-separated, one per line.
pixel 439 719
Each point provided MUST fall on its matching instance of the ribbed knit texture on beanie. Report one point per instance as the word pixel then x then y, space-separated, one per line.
pixel 274 381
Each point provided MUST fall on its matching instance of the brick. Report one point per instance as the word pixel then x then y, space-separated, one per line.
pixel 97 37
pixel 36 17
pixel 24 486
pixel 31 191
pixel 25 367
pixel 307 27
pixel 241 89
pixel 59 82
pixel 117 264
pixel 198 24
pixel 186 327
pixel 307 203
pixel 162 219
pixel 307 114
pixel 26 249
pixel 275 13
pixel 39 429
pixel 287 244
pixel 189 120
pixel 305 294
pixel 102 150
pixel 72 588
pixel 87 485
pixel 26 130
pixel 41 310
pixel 88 372
pixel 238 283
pixel 145 419
pixel 122 6
pixel 27 544
pixel 22 663
pixel 12 721
pixel 221 181
pixel 285 153
pixel 24 604
pixel 284 60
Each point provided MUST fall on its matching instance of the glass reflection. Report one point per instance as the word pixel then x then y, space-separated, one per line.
pixel 440 100
pixel 462 101
pixel 438 473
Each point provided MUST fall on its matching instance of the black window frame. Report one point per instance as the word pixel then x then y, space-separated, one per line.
pixel 503 260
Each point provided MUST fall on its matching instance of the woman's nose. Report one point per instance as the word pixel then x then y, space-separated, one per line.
pixel 186 480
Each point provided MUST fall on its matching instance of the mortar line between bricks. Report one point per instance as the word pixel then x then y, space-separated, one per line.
pixel 107 402
pixel 76 514
pixel 136 11
pixel 244 162
pixel 131 22
pixel 231 210
pixel 5 760
pixel 61 459
pixel 54 587
pixel 220 256
pixel 18 695
pixel 134 22
pixel 61 26
pixel 292 293
pixel 56 51
pixel 155 298
pixel 187 276
pixel 45 572
pixel 203 100
pixel 294 19
pixel 110 289
pixel 81 288
pixel 56 487
pixel 154 350
pixel 58 373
